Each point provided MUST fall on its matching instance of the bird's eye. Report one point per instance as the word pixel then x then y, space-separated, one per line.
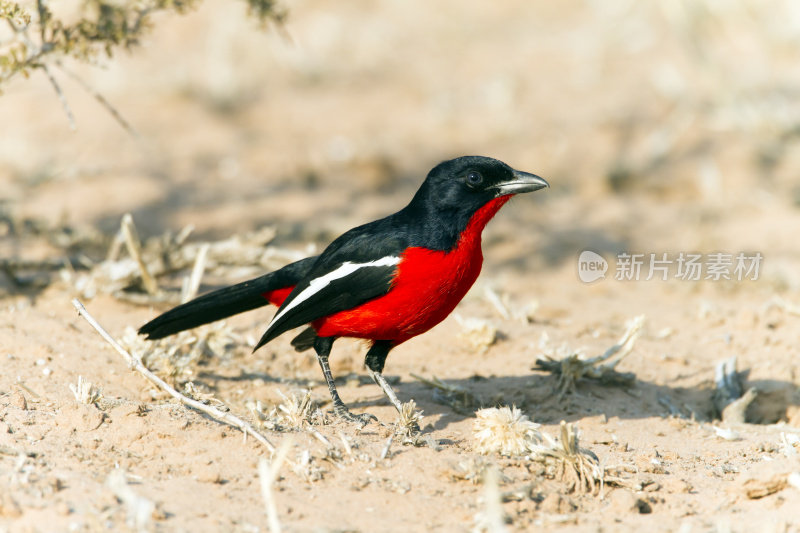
pixel 474 179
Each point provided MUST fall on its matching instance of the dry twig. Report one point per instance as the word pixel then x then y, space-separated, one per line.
pixel 61 97
pixel 176 357
pixel 491 519
pixel 100 99
pixel 136 364
pixel 268 473
pixel 192 283
pixel 139 510
pixel 134 246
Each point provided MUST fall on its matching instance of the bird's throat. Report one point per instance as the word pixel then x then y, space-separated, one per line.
pixel 472 233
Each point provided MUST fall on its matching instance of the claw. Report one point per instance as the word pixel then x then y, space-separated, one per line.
pixel 363 419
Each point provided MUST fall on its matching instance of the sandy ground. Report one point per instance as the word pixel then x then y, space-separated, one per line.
pixel 662 129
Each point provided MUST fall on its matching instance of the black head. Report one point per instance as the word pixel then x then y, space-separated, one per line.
pixel 456 189
pixel 467 183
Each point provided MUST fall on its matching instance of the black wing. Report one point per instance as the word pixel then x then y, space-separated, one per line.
pixel 357 267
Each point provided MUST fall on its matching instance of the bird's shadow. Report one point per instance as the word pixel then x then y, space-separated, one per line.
pixel 538 396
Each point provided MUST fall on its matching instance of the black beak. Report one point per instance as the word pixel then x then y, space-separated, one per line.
pixel 521 182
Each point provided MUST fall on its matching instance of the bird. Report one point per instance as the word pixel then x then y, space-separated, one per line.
pixel 385 282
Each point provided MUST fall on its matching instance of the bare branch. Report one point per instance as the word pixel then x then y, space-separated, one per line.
pixel 61 97
pixel 100 99
pixel 268 473
pixel 136 364
pixel 193 281
pixel 134 246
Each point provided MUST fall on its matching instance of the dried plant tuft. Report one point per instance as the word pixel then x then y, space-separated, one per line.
pixel 408 420
pixel 508 431
pixel 471 469
pixel 571 365
pixel 504 430
pixel 85 392
pixel 297 411
pixel 478 334
pixel 577 466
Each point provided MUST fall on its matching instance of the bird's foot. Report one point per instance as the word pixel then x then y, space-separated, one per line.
pixel 362 419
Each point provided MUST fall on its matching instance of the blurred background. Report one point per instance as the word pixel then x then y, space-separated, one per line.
pixel 662 126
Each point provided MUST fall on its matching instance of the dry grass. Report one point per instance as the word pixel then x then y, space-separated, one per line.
pixel 457 398
pixel 177 357
pixel 298 411
pixel 85 392
pixel 408 420
pixel 571 366
pixel 478 334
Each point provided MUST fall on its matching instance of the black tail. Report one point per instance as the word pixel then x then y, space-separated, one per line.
pixel 225 302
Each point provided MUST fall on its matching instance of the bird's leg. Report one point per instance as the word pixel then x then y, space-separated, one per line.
pixel 376 358
pixel 323 345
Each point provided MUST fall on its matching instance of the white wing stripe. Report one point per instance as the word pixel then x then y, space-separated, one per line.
pixel 317 284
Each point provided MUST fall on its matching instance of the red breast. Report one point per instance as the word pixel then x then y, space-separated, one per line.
pixel 427 287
